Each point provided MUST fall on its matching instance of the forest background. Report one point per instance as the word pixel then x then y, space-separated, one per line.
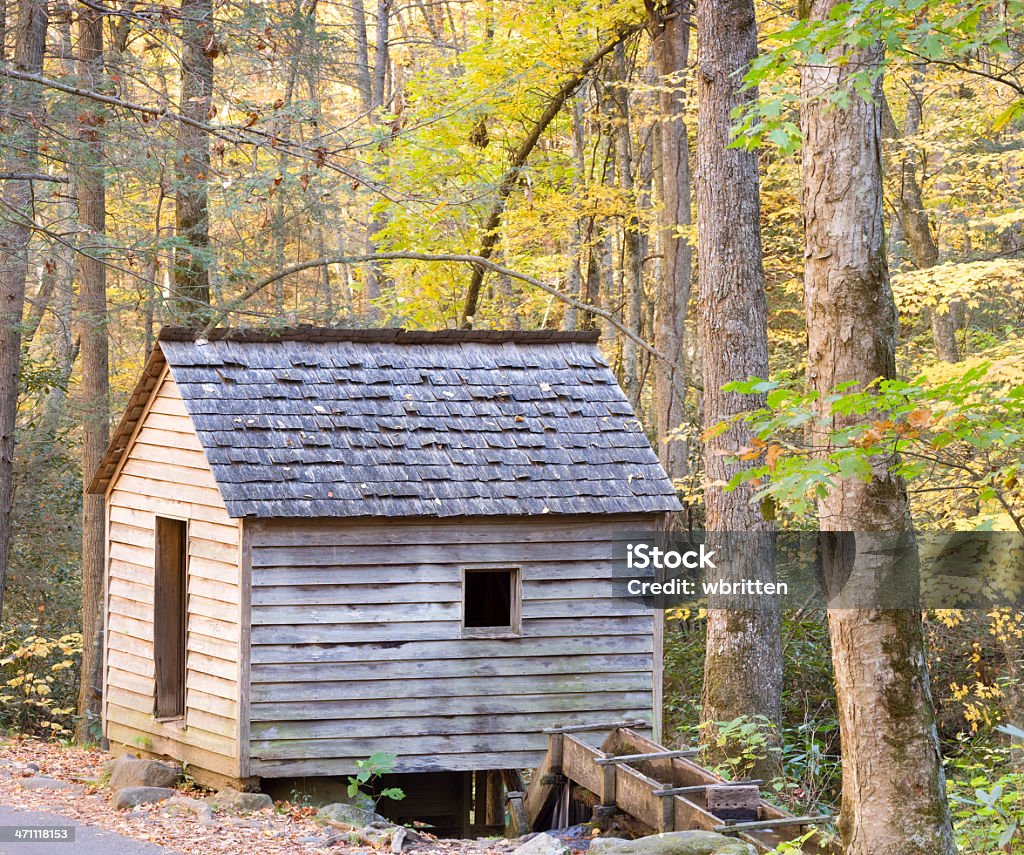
pixel 513 165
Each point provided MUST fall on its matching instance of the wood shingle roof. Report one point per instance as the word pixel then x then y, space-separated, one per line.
pixel 353 423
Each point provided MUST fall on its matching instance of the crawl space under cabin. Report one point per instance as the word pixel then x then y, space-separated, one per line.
pixel 328 543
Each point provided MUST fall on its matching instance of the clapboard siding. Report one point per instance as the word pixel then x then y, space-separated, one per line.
pixel 357 644
pixel 165 473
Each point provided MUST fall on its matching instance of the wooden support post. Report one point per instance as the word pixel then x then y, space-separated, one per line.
pixel 466 802
pixel 668 814
pixel 608 786
pixel 517 812
pixel 555 743
pixel 480 782
pixel 495 813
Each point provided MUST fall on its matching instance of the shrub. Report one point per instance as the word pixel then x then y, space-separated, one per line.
pixel 39 683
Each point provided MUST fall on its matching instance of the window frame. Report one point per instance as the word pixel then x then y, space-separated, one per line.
pixel 515 628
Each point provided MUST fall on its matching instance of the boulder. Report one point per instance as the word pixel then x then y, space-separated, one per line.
pixel 233 801
pixel 542 844
pixel 41 782
pixel 183 805
pixel 349 815
pixel 130 797
pixel 128 771
pixel 673 843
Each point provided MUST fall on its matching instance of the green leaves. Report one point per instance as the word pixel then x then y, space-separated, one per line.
pixel 967 431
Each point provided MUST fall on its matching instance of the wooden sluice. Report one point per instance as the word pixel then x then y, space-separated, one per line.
pixel 661 789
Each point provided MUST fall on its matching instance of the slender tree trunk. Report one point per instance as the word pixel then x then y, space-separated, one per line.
pixel 24 109
pixel 670 31
pixel 632 262
pixel 191 296
pixel 377 76
pixel 743 664
pixel 94 391
pixel 917 228
pixel 894 800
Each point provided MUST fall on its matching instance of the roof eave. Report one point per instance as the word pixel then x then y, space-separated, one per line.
pixel 122 436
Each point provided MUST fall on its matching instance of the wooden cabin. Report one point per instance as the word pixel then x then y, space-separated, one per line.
pixel 327 543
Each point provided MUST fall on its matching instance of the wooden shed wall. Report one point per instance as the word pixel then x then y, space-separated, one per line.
pixel 165 473
pixel 357 647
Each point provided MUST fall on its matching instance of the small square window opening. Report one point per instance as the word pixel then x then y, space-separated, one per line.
pixel 491 602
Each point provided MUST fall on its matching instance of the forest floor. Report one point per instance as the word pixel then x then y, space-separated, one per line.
pixel 287 830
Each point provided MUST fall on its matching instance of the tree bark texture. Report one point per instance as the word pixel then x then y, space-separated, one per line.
pixel 24 109
pixel 894 797
pixel 94 390
pixel 743 664
pixel 669 23
pixel 192 208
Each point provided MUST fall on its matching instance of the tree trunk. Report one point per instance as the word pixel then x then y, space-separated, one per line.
pixel 192 210
pixel 24 109
pixel 917 228
pixel 670 32
pixel 376 77
pixel 894 797
pixel 743 664
pixel 94 390
pixel 631 269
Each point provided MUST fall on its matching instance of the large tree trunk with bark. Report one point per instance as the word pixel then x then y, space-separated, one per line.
pixel 670 32
pixel 23 110
pixel 743 664
pixel 192 208
pixel 94 388
pixel 894 800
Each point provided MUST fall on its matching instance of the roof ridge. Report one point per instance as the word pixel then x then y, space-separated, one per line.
pixel 389 335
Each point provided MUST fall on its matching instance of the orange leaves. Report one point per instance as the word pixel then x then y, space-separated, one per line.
pixel 920 418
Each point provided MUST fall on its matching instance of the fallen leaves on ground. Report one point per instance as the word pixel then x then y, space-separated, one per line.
pixel 288 830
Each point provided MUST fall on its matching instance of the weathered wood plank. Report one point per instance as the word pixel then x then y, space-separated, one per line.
pixel 127 661
pixel 138 684
pixel 412 763
pixel 195 699
pixel 347 615
pixel 416 669
pixel 162 473
pixel 397 532
pixel 441 630
pixel 141 630
pixel 618 702
pixel 132 589
pixel 425 725
pixel 399 746
pixel 207 607
pixel 134 724
pixel 325 573
pixel 379 652
pixel 210 684
pixel 161 489
pixel 213 589
pixel 453 688
pixel 436 553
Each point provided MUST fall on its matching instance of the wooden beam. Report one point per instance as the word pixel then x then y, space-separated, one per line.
pixel 654 755
pixel 592 728
pixel 699 788
pixel 762 824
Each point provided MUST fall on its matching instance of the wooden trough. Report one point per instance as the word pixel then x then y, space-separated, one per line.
pixel 663 790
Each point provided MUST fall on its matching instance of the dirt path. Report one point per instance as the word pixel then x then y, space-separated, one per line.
pixel 86 840
pixel 287 830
